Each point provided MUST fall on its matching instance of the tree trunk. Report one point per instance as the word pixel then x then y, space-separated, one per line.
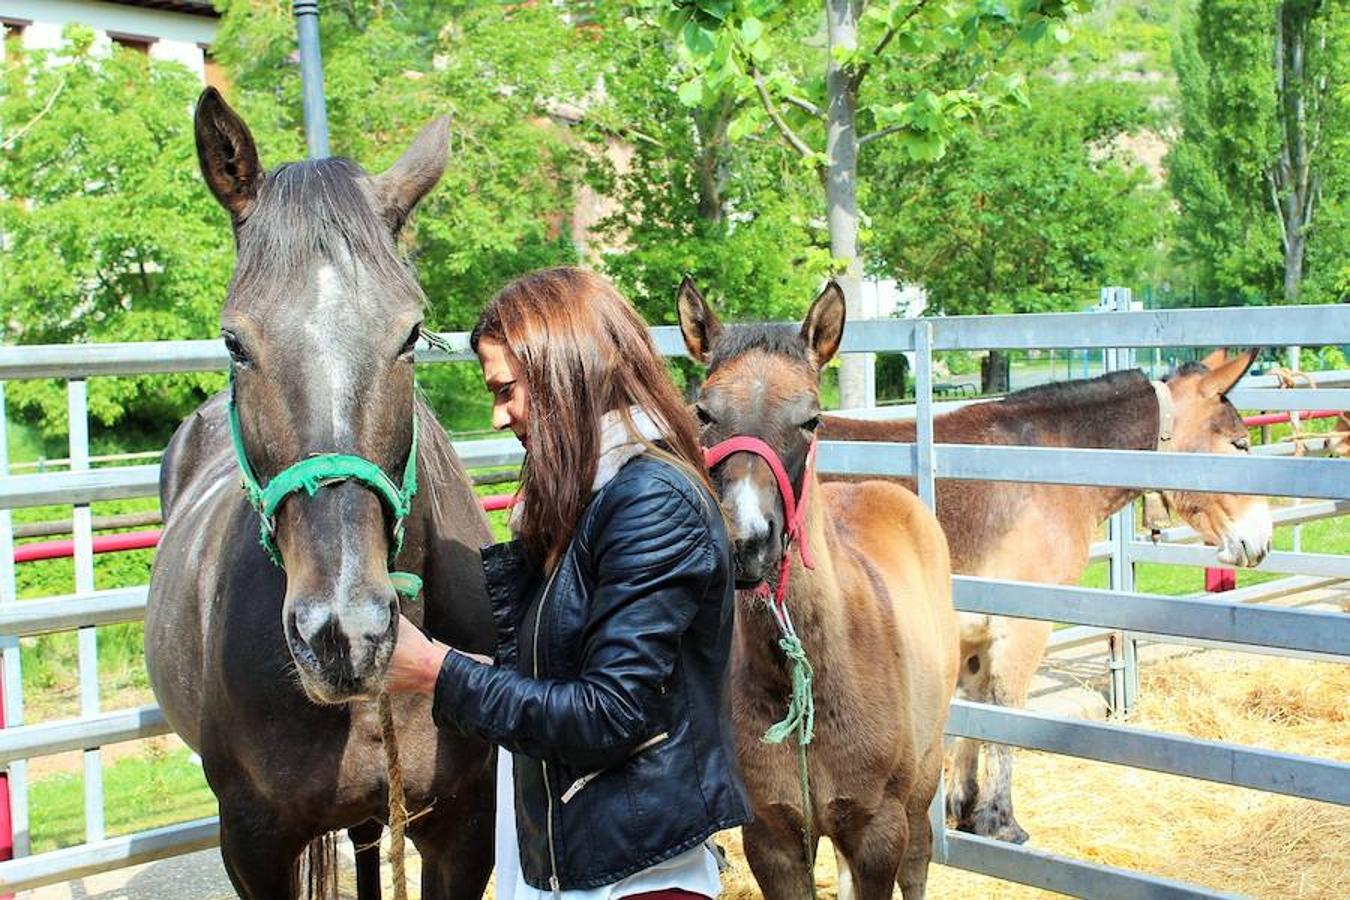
pixel 841 187
pixel 712 133
pixel 994 374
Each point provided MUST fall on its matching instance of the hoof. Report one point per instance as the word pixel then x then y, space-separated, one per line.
pixel 999 825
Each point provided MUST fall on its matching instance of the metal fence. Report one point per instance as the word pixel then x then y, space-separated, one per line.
pixel 1231 622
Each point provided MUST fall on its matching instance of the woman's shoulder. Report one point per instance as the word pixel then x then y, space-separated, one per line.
pixel 654 495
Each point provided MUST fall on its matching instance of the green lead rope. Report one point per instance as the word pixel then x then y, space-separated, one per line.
pixel 801 720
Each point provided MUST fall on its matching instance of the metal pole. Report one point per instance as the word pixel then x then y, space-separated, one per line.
pixel 311 77
pixel 82 522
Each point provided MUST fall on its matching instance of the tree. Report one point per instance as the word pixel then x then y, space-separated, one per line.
pixel 108 234
pixel 1030 210
pixel 1261 171
pixel 911 69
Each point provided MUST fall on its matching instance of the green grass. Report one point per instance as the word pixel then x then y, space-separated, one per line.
pixel 156 788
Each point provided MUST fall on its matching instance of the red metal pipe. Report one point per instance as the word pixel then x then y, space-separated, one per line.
pixel 143 540
pixel 1279 418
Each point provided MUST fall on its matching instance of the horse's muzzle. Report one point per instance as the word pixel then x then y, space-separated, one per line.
pixel 341 650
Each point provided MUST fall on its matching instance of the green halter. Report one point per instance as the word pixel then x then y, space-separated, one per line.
pixel 323 469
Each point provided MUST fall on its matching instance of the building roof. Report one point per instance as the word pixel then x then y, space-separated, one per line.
pixel 191 7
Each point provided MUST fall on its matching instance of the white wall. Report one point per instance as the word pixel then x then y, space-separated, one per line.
pixel 178 33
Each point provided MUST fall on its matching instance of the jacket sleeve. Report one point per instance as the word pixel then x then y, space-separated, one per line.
pixel 653 556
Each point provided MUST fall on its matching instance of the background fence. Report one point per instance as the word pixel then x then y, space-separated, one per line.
pixel 1229 622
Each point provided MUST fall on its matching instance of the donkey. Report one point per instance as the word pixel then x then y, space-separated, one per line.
pixel 874 616
pixel 271 673
pixel 1004 529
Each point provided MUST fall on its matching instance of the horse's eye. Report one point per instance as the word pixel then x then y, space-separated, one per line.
pixel 1243 443
pixel 410 344
pixel 704 417
pixel 811 424
pixel 235 348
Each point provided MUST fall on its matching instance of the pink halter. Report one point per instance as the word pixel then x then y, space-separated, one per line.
pixel 794 503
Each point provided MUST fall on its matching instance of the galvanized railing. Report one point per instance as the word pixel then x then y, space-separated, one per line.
pixel 1229 623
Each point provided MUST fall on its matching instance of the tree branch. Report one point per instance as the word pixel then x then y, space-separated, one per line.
pixel 793 140
pixel 885 132
pixel 886 40
pixel 805 106
pixel 13 138
pixel 1279 213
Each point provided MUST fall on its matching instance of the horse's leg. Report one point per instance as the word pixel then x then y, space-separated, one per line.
pixel 844 877
pixel 365 840
pixel 773 847
pixel 455 841
pixel 1015 656
pixel 261 855
pixel 874 850
pixel 973 683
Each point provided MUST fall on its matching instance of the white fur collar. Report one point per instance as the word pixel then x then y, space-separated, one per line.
pixel 617 446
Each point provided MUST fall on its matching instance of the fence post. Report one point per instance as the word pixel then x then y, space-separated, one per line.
pixel 14 790
pixel 925 472
pixel 77 411
pixel 311 77
pixel 1124 669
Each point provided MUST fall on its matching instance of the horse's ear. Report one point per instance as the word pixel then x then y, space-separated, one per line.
pixel 227 154
pixel 698 323
pixel 1221 378
pixel 399 187
pixel 824 326
pixel 1216 358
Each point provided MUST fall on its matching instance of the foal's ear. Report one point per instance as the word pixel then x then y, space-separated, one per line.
pixel 1221 378
pixel 824 326
pixel 399 187
pixel 698 323
pixel 227 154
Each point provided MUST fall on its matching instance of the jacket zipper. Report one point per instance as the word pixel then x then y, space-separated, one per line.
pixel 548 791
pixel 586 779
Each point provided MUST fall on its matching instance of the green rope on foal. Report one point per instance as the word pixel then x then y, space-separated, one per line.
pixel 801 720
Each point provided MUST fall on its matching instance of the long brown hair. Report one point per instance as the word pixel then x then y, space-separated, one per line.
pixel 583 351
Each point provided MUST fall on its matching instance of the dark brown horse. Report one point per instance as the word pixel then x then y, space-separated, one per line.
pixel 1044 532
pixel 874 616
pixel 271 674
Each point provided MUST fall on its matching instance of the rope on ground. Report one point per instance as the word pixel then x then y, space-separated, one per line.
pixel 398 807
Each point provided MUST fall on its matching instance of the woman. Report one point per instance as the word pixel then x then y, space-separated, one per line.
pixel 614 610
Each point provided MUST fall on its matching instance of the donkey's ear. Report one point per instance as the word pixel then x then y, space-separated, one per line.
pixel 399 187
pixel 698 323
pixel 228 156
pixel 824 326
pixel 1216 358
pixel 1221 378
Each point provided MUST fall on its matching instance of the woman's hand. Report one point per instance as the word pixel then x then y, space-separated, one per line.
pixel 415 663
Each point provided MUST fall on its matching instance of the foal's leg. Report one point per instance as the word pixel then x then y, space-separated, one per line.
pixel 773 847
pixel 874 850
pixel 913 875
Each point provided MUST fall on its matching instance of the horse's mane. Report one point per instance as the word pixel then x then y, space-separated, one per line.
pixel 1084 392
pixel 316 207
pixel 779 340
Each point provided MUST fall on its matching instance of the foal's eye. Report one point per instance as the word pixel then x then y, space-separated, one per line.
pixel 235 347
pixel 1243 443
pixel 811 424
pixel 410 344
pixel 704 417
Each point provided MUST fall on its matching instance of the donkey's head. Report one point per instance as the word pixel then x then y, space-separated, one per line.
pixel 761 382
pixel 1206 422
pixel 320 323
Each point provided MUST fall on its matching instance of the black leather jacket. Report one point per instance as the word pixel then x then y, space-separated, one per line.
pixel 617 713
